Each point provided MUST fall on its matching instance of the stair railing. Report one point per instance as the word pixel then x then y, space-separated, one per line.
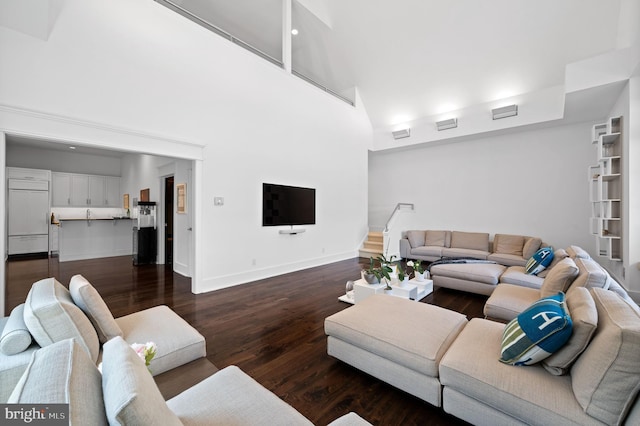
pixel 398 207
pixel 388 236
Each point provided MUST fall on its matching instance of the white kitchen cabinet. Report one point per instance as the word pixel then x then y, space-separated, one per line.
pixel 78 190
pixel 61 189
pixel 112 191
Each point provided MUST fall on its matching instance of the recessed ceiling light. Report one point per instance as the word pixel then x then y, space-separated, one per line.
pixel 294 31
pixel 72 147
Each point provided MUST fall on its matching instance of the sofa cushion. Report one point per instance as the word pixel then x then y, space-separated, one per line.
pixel 508 244
pixel 531 246
pixel 584 317
pixel 87 298
pixel 15 336
pixel 507 259
pixel 487 273
pixel 131 397
pixel 456 252
pixel 63 373
pixel 536 333
pixel 398 338
pixel 517 275
pixel 437 238
pixel 508 301
pixel 416 238
pixel 470 240
pixel 433 251
pixel 231 397
pixel 559 278
pixel 606 377
pixel 590 274
pixel 577 252
pixel 178 342
pixel 529 395
pixel 51 316
pixel 558 255
pixel 539 261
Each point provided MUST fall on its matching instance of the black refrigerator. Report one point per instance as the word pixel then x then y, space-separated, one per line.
pixel 145 236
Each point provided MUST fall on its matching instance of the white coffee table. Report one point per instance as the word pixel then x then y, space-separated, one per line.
pixel 413 290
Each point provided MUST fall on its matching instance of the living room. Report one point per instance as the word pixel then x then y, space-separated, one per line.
pixel 135 98
pixel 132 76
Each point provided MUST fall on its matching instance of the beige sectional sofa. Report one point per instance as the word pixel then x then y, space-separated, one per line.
pixel 439 356
pixel 432 245
pixel 73 330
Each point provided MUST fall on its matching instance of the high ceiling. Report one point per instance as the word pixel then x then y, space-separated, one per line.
pixel 416 58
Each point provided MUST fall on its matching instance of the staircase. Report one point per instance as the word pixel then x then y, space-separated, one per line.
pixel 372 246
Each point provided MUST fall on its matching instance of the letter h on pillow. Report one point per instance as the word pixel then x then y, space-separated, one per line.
pixel 542 329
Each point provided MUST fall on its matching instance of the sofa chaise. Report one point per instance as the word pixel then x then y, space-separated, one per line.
pixel 439 356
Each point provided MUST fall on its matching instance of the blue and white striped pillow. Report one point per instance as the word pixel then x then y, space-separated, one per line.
pixel 539 261
pixel 542 329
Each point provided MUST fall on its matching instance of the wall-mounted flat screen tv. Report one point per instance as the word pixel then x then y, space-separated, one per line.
pixel 288 205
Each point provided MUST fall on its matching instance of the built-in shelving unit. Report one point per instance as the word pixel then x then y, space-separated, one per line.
pixel 605 189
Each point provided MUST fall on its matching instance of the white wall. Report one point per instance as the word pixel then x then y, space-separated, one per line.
pixel 62 161
pixel 132 70
pixel 632 251
pixel 533 182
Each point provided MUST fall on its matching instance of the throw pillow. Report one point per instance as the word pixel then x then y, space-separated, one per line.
pixel 15 335
pixel 536 333
pixel 63 373
pixel 416 238
pixel 51 316
pixel 539 261
pixel 87 298
pixel 531 246
pixel 584 317
pixel 508 244
pixel 559 278
pixel 436 238
pixel 606 377
pixel 558 255
pixel 131 396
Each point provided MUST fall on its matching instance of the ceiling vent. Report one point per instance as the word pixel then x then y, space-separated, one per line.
pixel 504 112
pixel 399 134
pixel 451 123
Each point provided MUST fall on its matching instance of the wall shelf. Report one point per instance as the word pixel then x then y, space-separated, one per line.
pixel 605 189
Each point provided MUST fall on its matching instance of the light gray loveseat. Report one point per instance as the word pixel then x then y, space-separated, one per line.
pixel 52 312
pixel 69 326
pixel 125 393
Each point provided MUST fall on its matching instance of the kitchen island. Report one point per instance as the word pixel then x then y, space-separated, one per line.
pixel 92 238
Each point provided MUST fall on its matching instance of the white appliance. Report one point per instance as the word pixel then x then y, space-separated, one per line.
pixel 28 216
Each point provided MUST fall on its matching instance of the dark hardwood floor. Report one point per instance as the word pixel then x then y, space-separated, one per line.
pixel 272 329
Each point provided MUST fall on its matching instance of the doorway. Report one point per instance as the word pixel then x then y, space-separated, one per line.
pixel 168 220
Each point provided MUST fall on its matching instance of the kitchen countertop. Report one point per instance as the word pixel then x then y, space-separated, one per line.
pixel 93 218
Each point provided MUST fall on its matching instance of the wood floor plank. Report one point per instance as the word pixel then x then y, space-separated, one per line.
pixel 273 329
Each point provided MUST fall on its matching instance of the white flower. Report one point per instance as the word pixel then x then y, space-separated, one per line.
pixel 410 263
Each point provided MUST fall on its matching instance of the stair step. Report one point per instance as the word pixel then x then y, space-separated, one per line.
pixel 373 245
pixel 375 236
pixel 363 252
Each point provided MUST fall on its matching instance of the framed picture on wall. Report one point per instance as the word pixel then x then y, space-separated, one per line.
pixel 181 192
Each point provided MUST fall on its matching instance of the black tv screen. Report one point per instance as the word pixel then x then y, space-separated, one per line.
pixel 288 205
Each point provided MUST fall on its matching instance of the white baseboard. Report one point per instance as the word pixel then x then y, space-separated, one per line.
pixel 218 283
